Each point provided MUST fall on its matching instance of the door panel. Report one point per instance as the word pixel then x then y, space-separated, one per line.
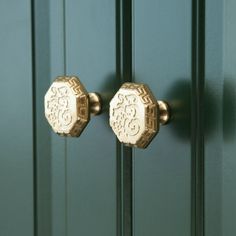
pixel 91 159
pixel 220 97
pixel 162 172
pixel 81 173
pixel 48 62
pixel 229 120
pixel 16 145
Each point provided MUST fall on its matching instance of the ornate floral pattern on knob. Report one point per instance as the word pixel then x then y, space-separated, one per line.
pixel 66 106
pixel 134 115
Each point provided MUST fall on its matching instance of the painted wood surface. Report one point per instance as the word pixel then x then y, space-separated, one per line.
pixel 220 115
pixel 184 183
pixel 162 172
pixel 90 42
pixel 16 120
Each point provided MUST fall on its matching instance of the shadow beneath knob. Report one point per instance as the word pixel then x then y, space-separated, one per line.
pixel 229 110
pixel 219 110
pixel 107 90
pixel 185 118
pixel 179 99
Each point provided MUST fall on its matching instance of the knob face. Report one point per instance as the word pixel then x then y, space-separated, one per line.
pixel 134 115
pixel 66 106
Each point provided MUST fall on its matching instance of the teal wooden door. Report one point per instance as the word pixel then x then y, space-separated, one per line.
pixel 162 173
pixel 183 183
pixel 16 123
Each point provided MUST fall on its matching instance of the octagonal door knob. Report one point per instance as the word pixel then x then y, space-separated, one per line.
pixel 68 106
pixel 136 115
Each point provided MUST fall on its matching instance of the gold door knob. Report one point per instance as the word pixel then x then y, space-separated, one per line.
pixel 135 115
pixel 68 106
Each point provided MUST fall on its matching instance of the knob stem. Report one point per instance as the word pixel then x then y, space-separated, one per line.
pixel 95 102
pixel 164 109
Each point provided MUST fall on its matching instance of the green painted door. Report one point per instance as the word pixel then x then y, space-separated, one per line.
pixel 183 183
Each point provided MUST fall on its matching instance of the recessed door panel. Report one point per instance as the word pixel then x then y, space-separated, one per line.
pixel 16 120
pixel 162 172
pixel 91 160
pixel 220 115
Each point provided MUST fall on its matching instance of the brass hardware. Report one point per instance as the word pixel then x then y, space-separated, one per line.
pixel 68 106
pixel 135 115
pixel 95 104
pixel 164 110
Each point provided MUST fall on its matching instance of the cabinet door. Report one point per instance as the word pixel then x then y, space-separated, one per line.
pixel 76 38
pixel 183 183
pixel 91 160
pixel 16 121
pixel 220 116
pixel 162 42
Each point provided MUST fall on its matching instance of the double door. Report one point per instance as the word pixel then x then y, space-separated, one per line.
pixel 183 183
